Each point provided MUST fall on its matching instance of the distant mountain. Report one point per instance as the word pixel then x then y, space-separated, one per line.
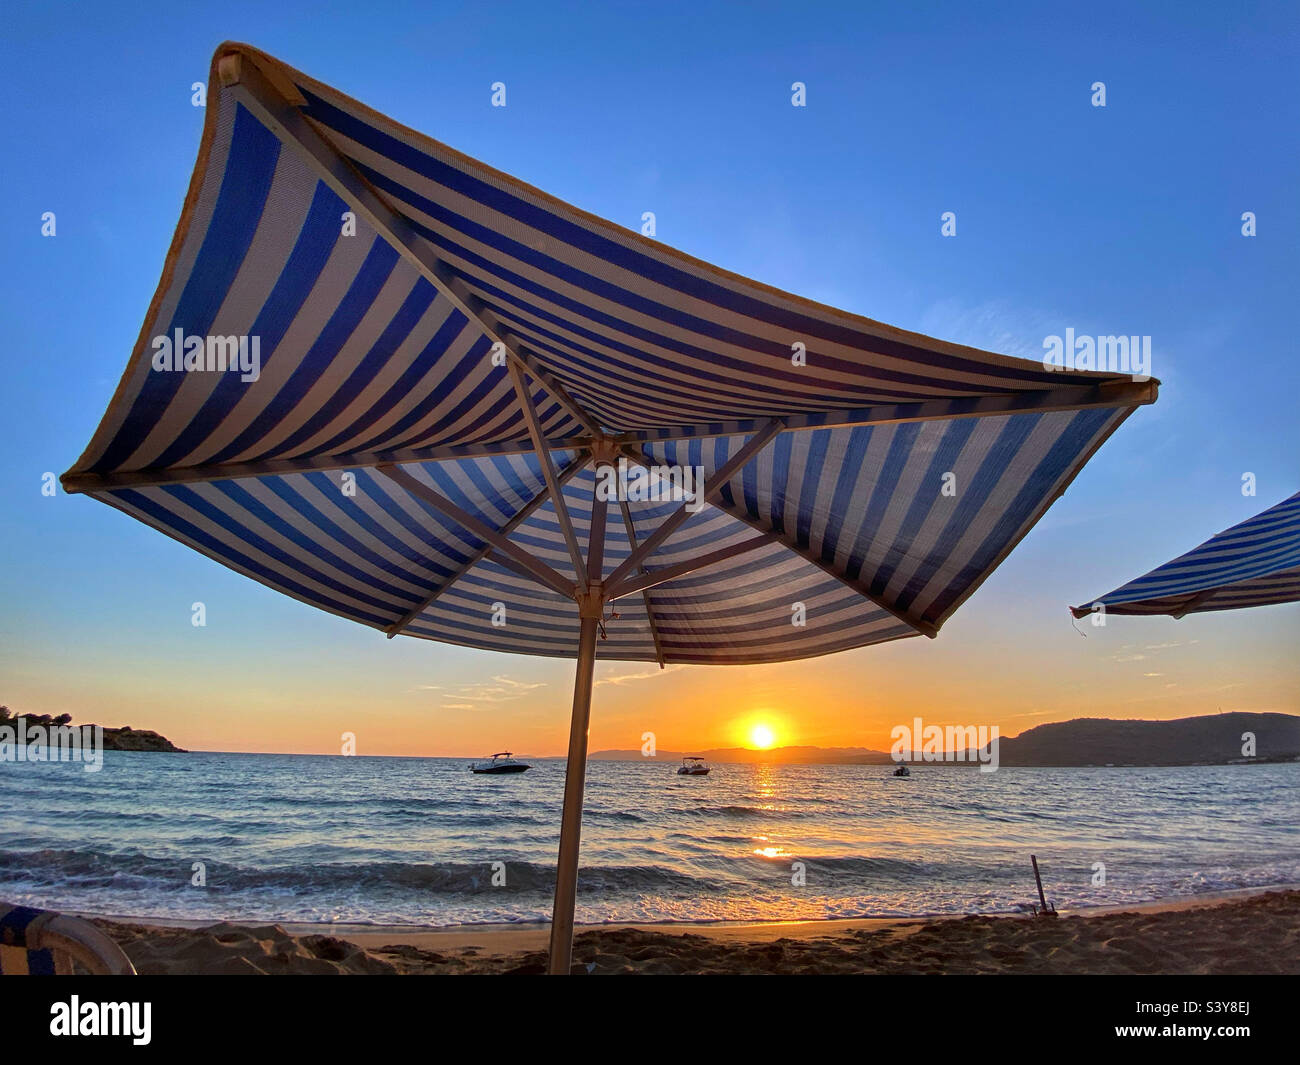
pixel 1212 739
pixel 42 728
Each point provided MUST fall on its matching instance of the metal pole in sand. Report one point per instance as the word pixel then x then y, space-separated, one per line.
pixel 1041 897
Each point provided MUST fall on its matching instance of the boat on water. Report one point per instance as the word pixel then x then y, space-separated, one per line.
pixel 902 771
pixel 500 763
pixel 693 767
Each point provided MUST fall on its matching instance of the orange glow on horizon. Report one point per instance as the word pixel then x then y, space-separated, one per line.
pixel 465 705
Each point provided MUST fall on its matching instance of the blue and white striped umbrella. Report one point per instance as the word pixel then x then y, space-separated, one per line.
pixel 1255 563
pixel 375 360
pixel 436 363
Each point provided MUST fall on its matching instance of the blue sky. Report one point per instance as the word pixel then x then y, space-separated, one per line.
pixel 1124 219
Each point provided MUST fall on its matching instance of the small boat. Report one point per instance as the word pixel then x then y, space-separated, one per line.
pixel 902 771
pixel 502 762
pixel 693 767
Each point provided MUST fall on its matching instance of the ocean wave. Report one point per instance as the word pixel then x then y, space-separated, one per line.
pixel 738 811
pixel 406 840
pixel 87 868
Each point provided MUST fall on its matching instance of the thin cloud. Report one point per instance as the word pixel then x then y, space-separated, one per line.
pixel 522 685
pixel 476 697
pixel 627 678
pixel 1031 713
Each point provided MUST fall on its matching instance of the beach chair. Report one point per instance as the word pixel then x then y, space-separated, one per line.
pixel 44 943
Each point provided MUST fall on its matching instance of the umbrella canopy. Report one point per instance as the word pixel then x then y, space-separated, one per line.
pixel 1255 563
pixel 440 370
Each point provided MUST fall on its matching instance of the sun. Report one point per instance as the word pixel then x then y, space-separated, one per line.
pixel 762 737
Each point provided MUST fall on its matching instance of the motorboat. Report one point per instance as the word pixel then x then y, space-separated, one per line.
pixel 501 762
pixel 693 767
pixel 902 771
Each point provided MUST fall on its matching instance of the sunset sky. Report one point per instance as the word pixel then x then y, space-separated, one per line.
pixel 1117 220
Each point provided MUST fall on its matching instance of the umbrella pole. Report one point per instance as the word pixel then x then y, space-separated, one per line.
pixel 566 866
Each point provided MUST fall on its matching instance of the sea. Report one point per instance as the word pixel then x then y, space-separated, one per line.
pixel 421 841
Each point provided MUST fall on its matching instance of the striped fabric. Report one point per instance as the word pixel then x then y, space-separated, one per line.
pixel 44 943
pixel 18 961
pixel 21 953
pixel 1255 563
pixel 907 468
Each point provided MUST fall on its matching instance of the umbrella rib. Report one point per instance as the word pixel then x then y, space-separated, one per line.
pixel 923 627
pixel 91 482
pixel 1032 401
pixel 653 578
pixel 519 518
pixel 938 410
pixel 539 569
pixel 548 473
pixel 645 592
pixel 1194 602
pixel 241 76
pixel 669 525
pixel 505 562
pixel 530 362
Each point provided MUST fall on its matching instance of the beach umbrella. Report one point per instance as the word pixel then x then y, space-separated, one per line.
pixel 403 387
pixel 1254 563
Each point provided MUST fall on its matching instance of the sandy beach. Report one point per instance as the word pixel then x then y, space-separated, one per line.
pixel 1237 933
